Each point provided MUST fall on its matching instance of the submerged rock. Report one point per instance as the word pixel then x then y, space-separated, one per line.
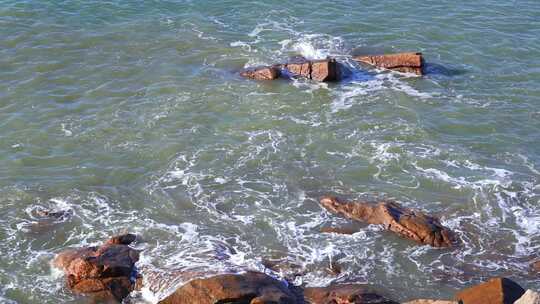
pixel 103 272
pixel 402 62
pixel 262 73
pixel 344 294
pixel 535 266
pixel 249 288
pixel 408 223
pixel 529 297
pixel 318 70
pixel 339 230
pixel 494 291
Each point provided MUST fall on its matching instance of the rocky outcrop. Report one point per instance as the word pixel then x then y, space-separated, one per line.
pixel 248 288
pixel 103 272
pixel 494 291
pixel 408 223
pixel 262 73
pixel 344 294
pixel 426 301
pixel 529 297
pixel 318 70
pixel 402 62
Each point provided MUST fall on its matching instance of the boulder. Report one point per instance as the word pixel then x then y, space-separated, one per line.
pixel 427 301
pixel 261 73
pixel 411 224
pixel 318 70
pixel 104 272
pixel 249 288
pixel 343 294
pixel 529 297
pixel 494 291
pixel 402 62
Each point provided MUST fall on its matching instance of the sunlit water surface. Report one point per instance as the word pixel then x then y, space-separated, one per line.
pixel 131 116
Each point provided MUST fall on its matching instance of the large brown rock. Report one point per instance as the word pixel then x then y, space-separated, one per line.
pixel 261 73
pixel 402 62
pixel 104 272
pixel 344 294
pixel 494 291
pixel 246 288
pixel 408 223
pixel 318 70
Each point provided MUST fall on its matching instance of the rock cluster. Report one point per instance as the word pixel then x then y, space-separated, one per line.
pixel 258 288
pixel 329 69
pixel 407 223
pixel 104 272
pixel 401 62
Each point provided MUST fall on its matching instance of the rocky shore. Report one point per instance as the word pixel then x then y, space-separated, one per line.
pixel 108 273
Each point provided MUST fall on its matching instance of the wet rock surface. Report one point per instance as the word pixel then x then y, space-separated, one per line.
pixel 411 62
pixel 494 291
pixel 249 288
pixel 344 294
pixel 318 70
pixel 262 73
pixel 103 272
pixel 258 288
pixel 411 224
pixel 322 70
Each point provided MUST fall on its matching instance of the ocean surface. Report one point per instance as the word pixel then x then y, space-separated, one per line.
pixel 131 116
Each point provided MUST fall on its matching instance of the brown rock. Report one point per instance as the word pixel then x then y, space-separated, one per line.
pixel 248 288
pixel 426 301
pixel 408 223
pixel 318 70
pixel 324 70
pixel 122 239
pixel 494 291
pixel 343 294
pixel 261 73
pixel 107 271
pixel 402 62
pixel 299 66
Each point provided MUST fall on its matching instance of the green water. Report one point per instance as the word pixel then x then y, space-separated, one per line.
pixel 131 116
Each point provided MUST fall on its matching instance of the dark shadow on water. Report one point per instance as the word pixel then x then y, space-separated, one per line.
pixel 431 68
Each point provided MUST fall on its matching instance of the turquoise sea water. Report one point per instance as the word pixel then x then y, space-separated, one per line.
pixel 131 116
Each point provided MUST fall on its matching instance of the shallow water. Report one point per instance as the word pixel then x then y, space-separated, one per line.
pixel 131 116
